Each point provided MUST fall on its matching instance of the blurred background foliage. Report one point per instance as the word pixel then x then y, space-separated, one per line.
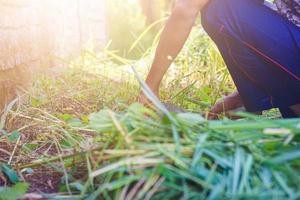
pixel 128 19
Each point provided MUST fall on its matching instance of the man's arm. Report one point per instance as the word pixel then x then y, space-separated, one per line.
pixel 173 37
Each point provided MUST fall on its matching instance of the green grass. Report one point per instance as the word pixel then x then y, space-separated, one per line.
pixel 84 125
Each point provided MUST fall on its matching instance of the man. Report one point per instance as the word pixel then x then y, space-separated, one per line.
pixel 260 46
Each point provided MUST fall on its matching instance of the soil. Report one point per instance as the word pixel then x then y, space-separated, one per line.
pixel 42 179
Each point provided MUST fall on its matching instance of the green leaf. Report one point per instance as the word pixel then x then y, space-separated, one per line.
pixel 141 111
pixel 190 119
pixel 14 136
pixel 65 143
pixel 246 173
pixel 13 193
pixel 237 168
pixel 124 181
pixel 286 157
pixel 66 117
pixel 30 147
pixel 75 122
pixel 10 173
pixel 283 183
pixel 85 119
pixel 101 121
pixel 36 102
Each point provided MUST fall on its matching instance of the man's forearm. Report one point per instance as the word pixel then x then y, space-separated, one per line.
pixel 172 40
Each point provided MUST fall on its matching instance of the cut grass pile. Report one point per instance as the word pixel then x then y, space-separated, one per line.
pixel 150 156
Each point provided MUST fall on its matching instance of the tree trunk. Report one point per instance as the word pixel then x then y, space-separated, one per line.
pixel 17 46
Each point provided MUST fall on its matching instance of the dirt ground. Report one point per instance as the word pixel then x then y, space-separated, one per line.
pixel 42 179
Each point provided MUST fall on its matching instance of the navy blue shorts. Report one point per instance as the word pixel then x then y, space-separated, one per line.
pixel 261 50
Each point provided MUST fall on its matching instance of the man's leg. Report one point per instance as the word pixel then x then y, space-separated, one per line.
pixel 261 50
pixel 296 109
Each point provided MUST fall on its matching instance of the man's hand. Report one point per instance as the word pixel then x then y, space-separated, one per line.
pixel 144 100
pixel 225 105
pixel 175 34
